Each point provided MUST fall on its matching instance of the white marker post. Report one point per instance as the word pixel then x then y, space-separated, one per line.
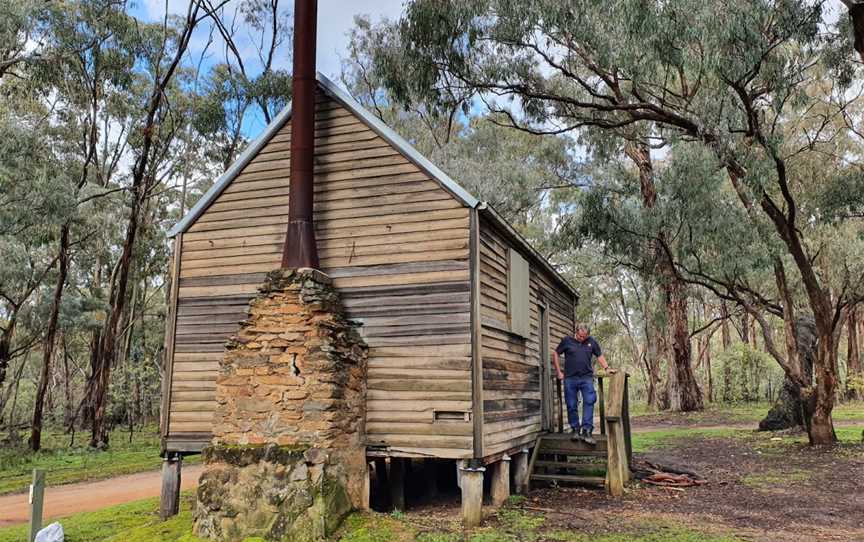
pixel 37 494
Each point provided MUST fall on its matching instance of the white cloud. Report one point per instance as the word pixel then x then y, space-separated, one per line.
pixel 335 19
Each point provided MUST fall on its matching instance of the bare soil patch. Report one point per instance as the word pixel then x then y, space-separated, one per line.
pixel 762 489
pixel 758 489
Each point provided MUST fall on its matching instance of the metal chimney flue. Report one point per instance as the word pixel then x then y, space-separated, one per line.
pixel 300 249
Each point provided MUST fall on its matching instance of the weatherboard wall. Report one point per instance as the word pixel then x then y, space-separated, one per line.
pixel 512 364
pixel 396 244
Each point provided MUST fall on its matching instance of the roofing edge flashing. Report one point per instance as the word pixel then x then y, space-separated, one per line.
pixel 489 211
pixel 231 173
pixel 389 135
pixel 279 121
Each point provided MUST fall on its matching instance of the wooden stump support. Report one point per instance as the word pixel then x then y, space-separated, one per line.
pixel 430 478
pixel 500 488
pixel 397 483
pixel 520 471
pixel 169 502
pixel 471 476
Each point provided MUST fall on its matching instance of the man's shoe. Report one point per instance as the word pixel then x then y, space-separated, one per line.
pixel 576 436
pixel 588 439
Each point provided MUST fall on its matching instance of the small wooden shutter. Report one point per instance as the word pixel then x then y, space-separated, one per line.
pixel 518 294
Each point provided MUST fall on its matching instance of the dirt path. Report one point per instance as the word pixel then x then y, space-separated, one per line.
pixel 89 496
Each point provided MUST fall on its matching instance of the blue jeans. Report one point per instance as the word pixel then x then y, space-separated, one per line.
pixel 573 387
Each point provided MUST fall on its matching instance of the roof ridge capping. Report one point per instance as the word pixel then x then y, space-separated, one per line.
pixel 386 133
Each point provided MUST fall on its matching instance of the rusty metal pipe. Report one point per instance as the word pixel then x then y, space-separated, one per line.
pixel 300 249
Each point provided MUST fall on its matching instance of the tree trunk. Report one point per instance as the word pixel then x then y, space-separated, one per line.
pixel 821 428
pixel 652 359
pixel 106 348
pixel 853 355
pixel 683 390
pixel 67 385
pixel 48 342
pixel 6 351
pixel 789 410
pixel 709 391
pixel 685 395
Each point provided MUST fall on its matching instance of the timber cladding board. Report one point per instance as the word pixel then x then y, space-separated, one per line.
pixel 395 243
pixel 511 361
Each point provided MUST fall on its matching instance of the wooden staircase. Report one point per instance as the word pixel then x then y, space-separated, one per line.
pixel 557 458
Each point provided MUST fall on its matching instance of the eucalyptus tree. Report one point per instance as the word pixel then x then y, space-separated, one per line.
pixel 249 82
pixel 21 27
pixel 161 50
pixel 729 77
pixel 33 198
pixel 85 87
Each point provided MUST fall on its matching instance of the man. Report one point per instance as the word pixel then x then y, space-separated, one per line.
pixel 578 377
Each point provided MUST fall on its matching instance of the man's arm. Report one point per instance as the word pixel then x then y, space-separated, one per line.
pixel 601 358
pixel 602 361
pixel 557 365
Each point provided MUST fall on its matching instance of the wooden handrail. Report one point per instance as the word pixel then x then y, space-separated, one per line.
pixel 618 434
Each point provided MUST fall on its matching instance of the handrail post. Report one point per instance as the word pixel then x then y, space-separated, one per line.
pixel 626 419
pixel 560 396
pixel 601 402
pixel 617 466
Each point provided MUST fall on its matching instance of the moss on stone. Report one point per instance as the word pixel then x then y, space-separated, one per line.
pixel 248 454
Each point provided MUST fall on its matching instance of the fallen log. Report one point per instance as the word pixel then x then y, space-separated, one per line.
pixel 667 475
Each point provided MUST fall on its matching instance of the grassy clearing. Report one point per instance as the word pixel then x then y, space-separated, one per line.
pixel 666 438
pixel 139 522
pixel 512 524
pixel 775 478
pixel 712 414
pixel 716 413
pixel 850 411
pixel 64 464
pixel 765 442
pixel 133 522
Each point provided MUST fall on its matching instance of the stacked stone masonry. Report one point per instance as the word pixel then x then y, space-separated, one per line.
pixel 287 454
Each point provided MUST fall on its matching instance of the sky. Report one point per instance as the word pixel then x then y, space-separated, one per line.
pixel 335 20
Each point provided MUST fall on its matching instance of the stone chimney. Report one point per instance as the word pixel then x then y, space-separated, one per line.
pixel 286 461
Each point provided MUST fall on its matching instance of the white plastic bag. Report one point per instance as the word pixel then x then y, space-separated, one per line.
pixel 51 533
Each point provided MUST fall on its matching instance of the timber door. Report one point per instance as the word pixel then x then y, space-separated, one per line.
pixel 546 374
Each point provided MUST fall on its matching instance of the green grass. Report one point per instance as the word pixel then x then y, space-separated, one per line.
pixel 64 464
pixel 665 438
pixel 139 522
pixel 132 522
pixel 653 531
pixel 774 478
pixel 742 412
pixel 851 411
pixel 713 413
pixel 372 527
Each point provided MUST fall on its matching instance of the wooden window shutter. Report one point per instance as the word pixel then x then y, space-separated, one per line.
pixel 518 294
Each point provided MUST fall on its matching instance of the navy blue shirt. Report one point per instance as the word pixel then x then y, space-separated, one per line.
pixel 577 356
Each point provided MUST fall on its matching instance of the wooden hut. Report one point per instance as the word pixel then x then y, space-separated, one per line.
pixel 458 310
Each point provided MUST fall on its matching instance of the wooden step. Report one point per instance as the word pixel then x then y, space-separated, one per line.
pixel 587 480
pixel 569 447
pixel 571 465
